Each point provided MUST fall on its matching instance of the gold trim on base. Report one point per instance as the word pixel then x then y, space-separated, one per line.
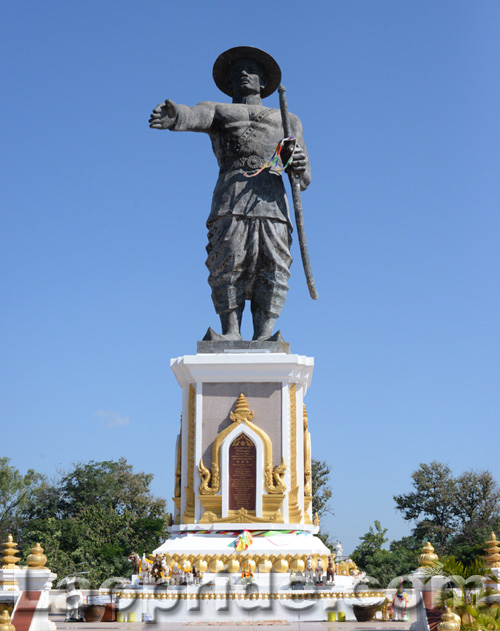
pixel 292 595
pixel 294 512
pixel 242 516
pixel 188 517
pixel 271 505
pixel 213 506
pixel 307 503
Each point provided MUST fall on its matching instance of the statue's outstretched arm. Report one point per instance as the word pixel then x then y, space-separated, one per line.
pixel 170 115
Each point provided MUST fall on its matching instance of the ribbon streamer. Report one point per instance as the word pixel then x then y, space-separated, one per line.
pixel 272 163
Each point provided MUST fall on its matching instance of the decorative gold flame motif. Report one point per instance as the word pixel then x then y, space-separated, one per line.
pixel 242 411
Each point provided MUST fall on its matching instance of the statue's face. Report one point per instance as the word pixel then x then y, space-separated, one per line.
pixel 247 78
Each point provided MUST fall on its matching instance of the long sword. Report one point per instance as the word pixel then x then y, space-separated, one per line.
pixel 297 201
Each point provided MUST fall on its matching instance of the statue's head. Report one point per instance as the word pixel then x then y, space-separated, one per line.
pixel 245 70
pixel 247 78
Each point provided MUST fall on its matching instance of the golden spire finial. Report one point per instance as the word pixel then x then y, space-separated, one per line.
pixel 5 623
pixel 316 519
pixel 9 559
pixel 304 415
pixel 448 621
pixel 241 405
pixel 492 556
pixel 37 559
pixel 428 557
pixel 241 411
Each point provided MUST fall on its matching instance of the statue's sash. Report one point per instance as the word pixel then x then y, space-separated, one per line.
pixel 252 128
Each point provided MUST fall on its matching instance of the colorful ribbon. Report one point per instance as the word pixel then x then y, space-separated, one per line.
pixel 244 541
pixel 254 533
pixel 275 157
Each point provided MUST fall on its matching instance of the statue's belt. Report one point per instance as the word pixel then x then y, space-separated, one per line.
pixel 248 163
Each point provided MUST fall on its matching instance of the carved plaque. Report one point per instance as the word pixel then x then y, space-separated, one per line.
pixel 242 473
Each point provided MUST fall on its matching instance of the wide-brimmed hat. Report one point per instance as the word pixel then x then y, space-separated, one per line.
pixel 224 62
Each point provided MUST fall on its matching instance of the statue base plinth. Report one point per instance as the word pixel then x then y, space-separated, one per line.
pixel 215 343
pixel 243 463
pixel 216 483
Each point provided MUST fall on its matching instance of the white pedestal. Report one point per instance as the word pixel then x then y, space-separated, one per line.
pixel 274 385
pixel 29 589
pixel 243 462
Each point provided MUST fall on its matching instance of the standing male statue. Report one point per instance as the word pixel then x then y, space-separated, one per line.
pixel 249 228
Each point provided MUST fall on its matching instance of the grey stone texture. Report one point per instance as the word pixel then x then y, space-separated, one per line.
pixel 224 346
pixel 249 228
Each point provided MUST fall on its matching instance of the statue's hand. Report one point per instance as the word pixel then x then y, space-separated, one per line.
pixel 164 115
pixel 299 162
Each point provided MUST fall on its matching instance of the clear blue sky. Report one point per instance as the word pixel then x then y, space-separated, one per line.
pixel 103 235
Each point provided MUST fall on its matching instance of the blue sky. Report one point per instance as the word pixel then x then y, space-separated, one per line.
pixel 103 232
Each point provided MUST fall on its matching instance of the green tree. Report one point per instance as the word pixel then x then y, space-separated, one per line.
pixel 15 491
pixel 455 513
pixel 371 542
pixel 477 505
pixel 381 564
pixel 92 518
pixel 321 492
pixel 434 499
pixel 321 495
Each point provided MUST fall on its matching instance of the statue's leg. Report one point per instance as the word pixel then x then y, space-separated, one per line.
pixel 271 276
pixel 225 262
pixel 231 323
pixel 263 323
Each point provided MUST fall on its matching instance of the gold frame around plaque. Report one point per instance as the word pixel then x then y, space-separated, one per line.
pixel 274 482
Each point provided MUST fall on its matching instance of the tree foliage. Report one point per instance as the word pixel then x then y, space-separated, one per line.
pixel 321 495
pixel 381 564
pixel 90 518
pixel 433 499
pixel 321 492
pixel 454 513
pixel 371 542
pixel 15 491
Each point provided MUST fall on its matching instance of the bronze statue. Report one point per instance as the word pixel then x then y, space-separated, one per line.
pixel 249 228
